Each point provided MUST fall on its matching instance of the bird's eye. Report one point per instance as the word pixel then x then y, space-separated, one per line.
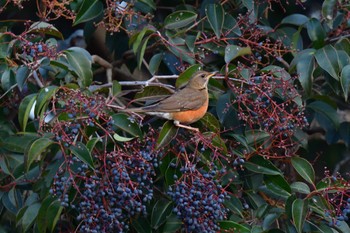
pixel 203 76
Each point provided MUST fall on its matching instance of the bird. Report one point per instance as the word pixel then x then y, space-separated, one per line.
pixel 185 106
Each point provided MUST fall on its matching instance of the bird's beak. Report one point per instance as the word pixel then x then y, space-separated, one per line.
pixel 212 74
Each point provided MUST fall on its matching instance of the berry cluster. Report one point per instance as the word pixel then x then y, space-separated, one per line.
pixel 117 189
pixel 271 104
pixel 337 194
pixel 76 111
pixel 198 200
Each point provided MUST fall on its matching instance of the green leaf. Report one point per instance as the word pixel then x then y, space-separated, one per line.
pixel 305 68
pixel 234 51
pixel 299 213
pixel 179 19
pixel 230 24
pixel 215 14
pixel 328 8
pixel 316 33
pixel 123 122
pixel 82 152
pixel 29 216
pixel 166 135
pixel 172 224
pixel 326 111
pixel 304 169
pixel 260 165
pixel 21 76
pixel 90 145
pixel 233 226
pixel 155 62
pixel 119 138
pixel 161 210
pixel 24 110
pixel 278 185
pixel 255 137
pixel 209 121
pixel 345 81
pixel 42 220
pixel 44 95
pixel 300 187
pixel 327 58
pixel 80 63
pixel 185 76
pixel 18 144
pixel 53 214
pixel 150 3
pixel 141 51
pixel 46 28
pixel 35 150
pixel 141 225
pixel 295 19
pixel 116 88
pixel 136 39
pixel 89 10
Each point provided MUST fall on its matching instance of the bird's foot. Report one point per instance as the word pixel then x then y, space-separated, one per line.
pixel 178 124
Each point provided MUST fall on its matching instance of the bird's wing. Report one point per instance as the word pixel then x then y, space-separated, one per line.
pixel 185 99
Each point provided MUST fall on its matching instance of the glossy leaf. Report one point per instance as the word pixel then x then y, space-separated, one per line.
pixel 345 81
pixel 172 224
pixel 116 88
pixel 230 24
pixel 161 210
pixel 295 19
pixel 36 149
pixel 82 152
pixel 42 220
pixel 185 76
pixel 119 138
pixel 123 122
pixel 150 3
pixel 46 28
pixel 53 214
pixel 234 51
pixel 141 50
pixel 304 169
pixel 21 76
pixel 299 213
pixel 210 122
pixel 30 215
pixel 305 68
pixel 154 63
pixel 179 19
pixel 80 62
pixel 18 144
pixel 327 58
pixel 260 165
pixel 233 226
pixel 167 134
pixel 89 10
pixel 316 33
pixel 215 14
pixel 328 7
pixel 325 110
pixel 24 110
pixel 90 145
pixel 44 95
pixel 278 185
pixel 300 187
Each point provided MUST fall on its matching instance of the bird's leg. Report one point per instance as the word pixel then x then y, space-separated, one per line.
pixel 178 124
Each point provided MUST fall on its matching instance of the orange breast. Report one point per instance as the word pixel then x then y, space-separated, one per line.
pixel 190 116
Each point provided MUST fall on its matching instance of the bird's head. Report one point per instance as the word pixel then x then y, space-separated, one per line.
pixel 200 80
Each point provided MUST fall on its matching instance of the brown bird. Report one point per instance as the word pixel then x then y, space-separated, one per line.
pixel 185 106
